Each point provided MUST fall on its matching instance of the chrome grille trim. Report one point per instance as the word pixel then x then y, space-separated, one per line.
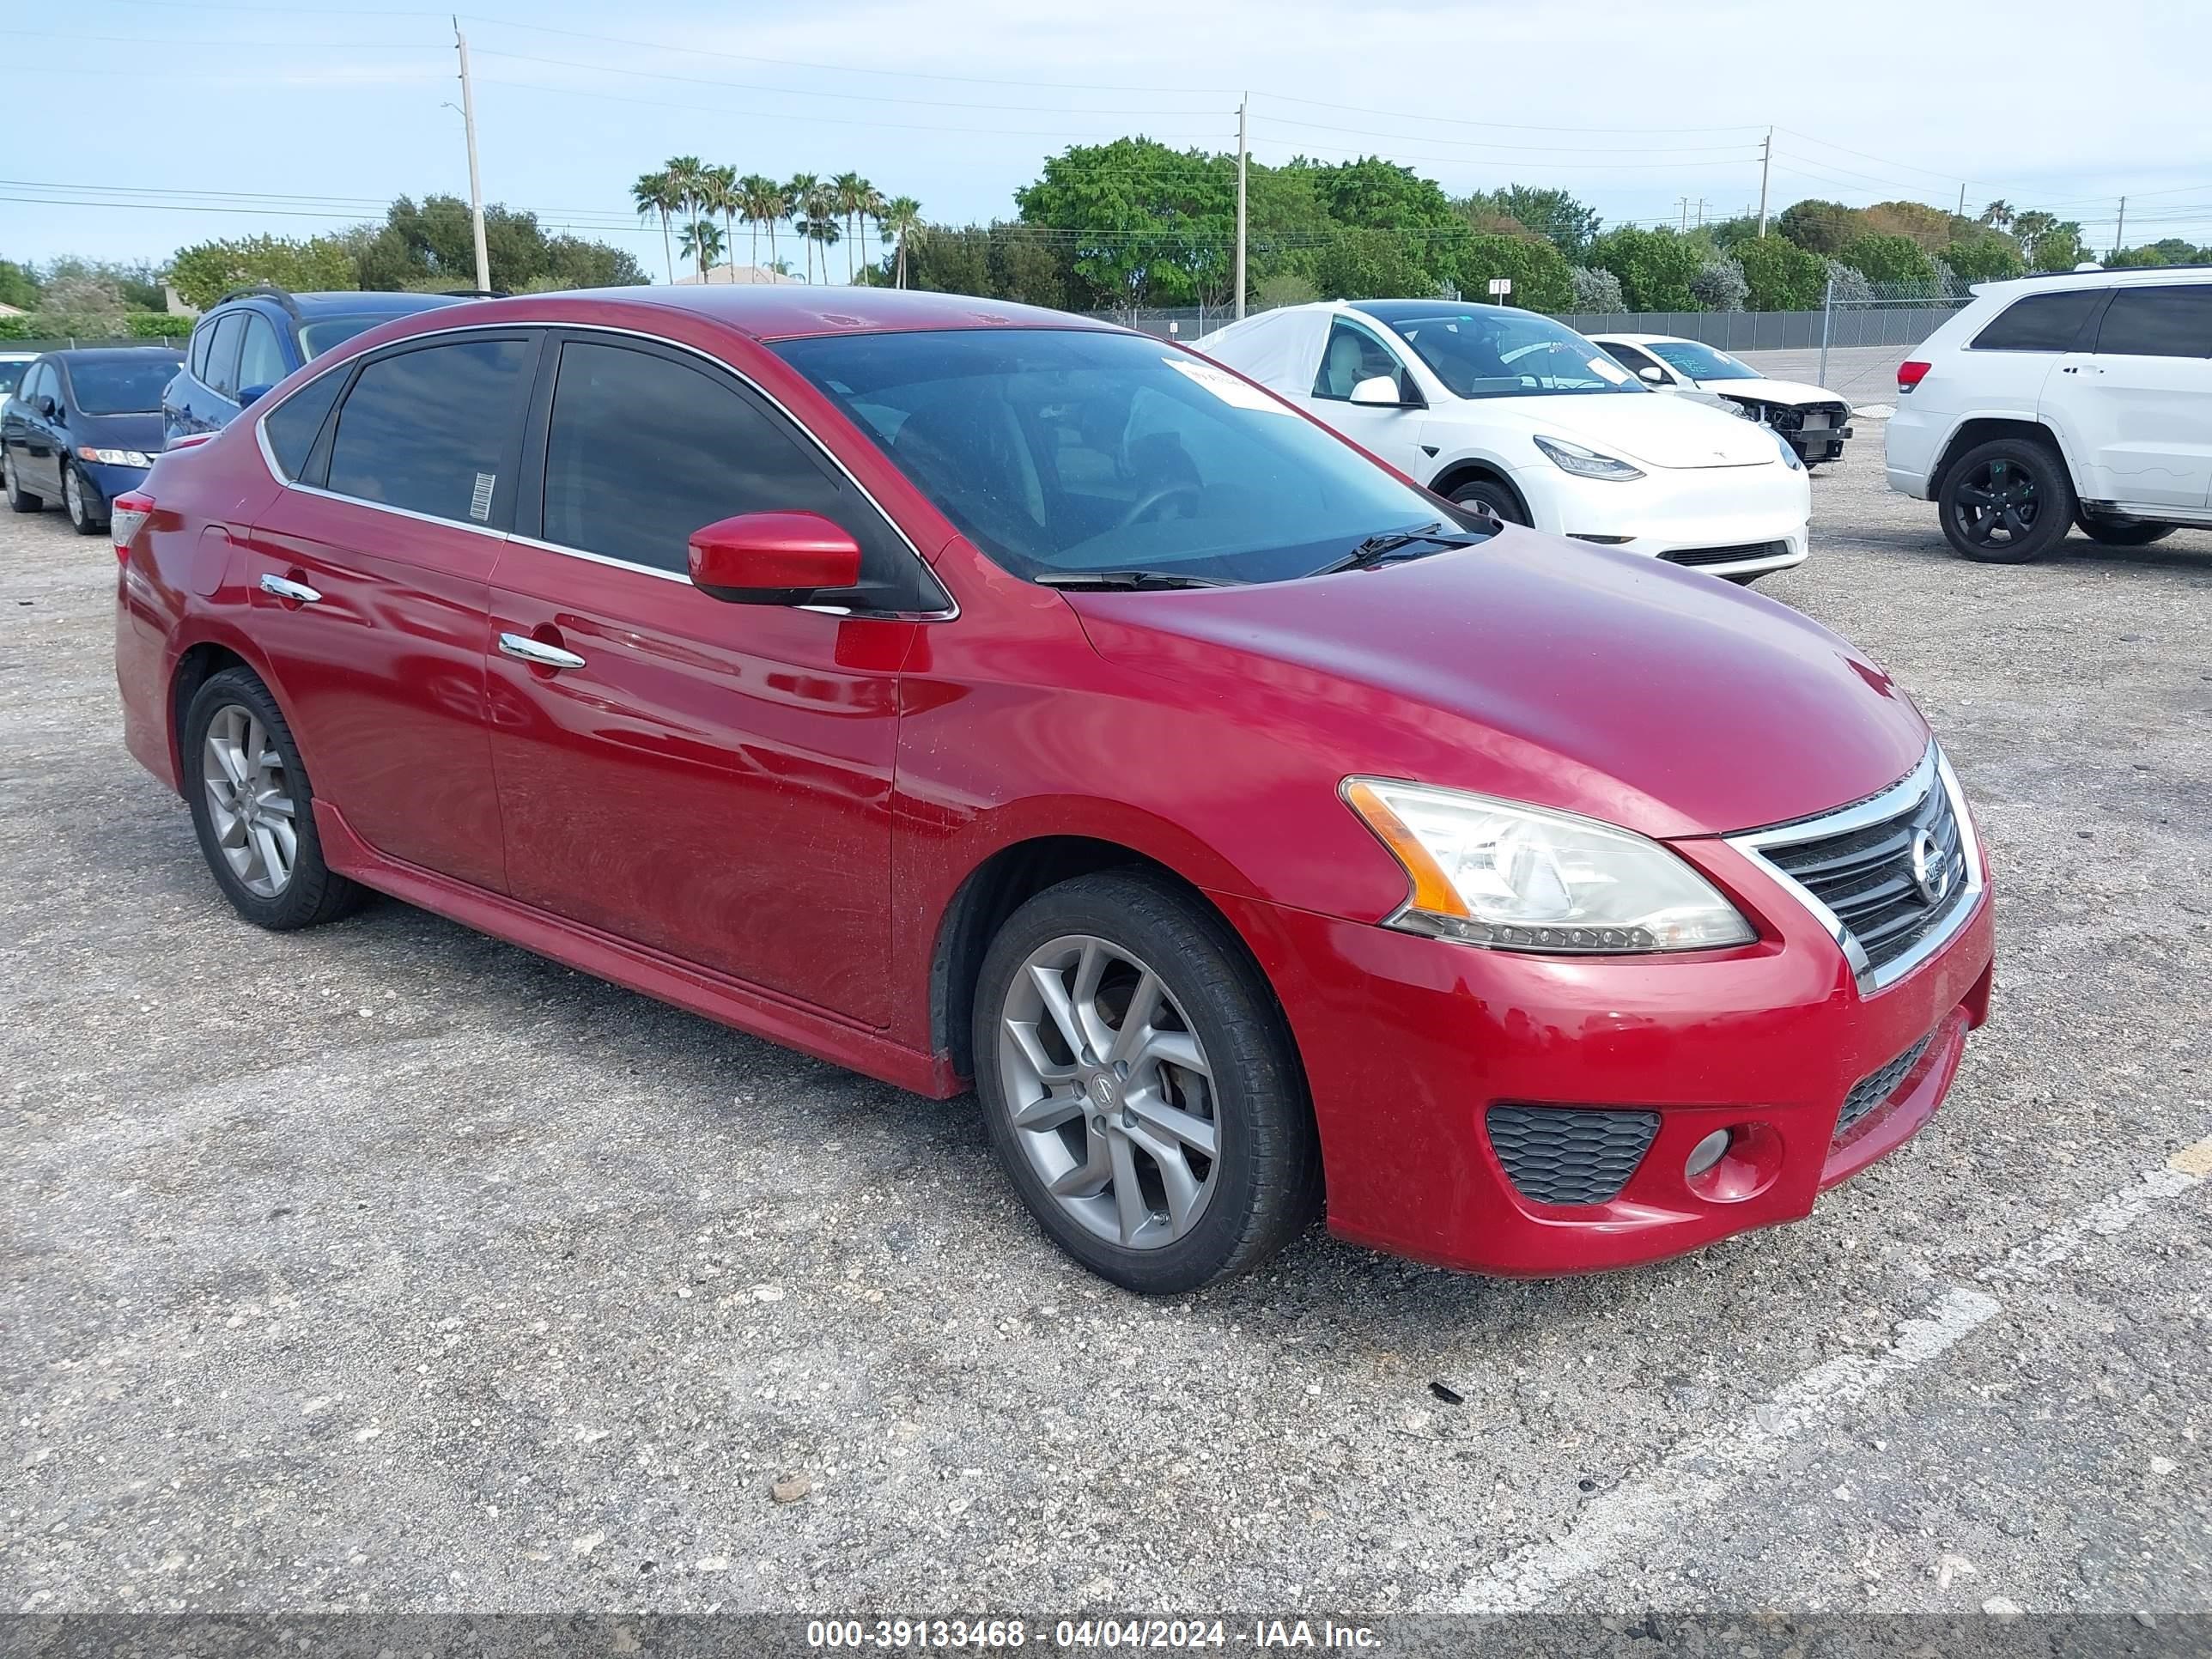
pixel 1899 799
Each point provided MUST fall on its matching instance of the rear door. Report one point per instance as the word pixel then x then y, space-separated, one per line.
pixel 709 779
pixel 2135 408
pixel 33 439
pixel 215 400
pixel 261 362
pixel 369 580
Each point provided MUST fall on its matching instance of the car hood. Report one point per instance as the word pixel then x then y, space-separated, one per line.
pixel 1791 392
pixel 139 432
pixel 1544 670
pixel 1652 430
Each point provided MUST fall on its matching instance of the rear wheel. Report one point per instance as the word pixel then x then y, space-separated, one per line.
pixel 2007 501
pixel 88 509
pixel 1141 1087
pixel 2112 534
pixel 1498 500
pixel 254 809
pixel 18 497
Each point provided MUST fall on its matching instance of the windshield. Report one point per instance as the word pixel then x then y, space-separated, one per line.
pixel 319 335
pixel 1700 363
pixel 1486 353
pixel 11 376
pixel 1060 452
pixel 122 385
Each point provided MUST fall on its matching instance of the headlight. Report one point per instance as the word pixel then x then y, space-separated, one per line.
pixel 1789 456
pixel 1516 877
pixel 1586 463
pixel 114 457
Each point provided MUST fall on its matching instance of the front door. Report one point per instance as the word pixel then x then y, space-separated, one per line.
pixel 2136 411
pixel 369 584
pixel 709 779
pixel 1350 355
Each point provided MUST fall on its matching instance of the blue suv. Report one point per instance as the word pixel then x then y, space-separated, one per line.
pixel 252 338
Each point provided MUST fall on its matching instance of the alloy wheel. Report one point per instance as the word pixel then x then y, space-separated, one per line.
pixel 73 494
pixel 249 801
pixel 1110 1091
pixel 1995 504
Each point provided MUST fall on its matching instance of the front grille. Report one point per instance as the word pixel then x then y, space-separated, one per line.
pixel 1814 416
pixel 1870 877
pixel 1870 1090
pixel 1569 1154
pixel 1726 554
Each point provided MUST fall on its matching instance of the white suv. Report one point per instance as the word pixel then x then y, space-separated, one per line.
pixel 2084 398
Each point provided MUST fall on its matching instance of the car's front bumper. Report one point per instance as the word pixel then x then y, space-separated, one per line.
pixel 1409 1042
pixel 1694 516
pixel 111 481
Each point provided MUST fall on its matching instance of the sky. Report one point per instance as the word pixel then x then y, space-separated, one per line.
pixel 139 126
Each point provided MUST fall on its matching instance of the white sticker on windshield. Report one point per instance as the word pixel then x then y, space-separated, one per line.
pixel 1224 385
pixel 1606 369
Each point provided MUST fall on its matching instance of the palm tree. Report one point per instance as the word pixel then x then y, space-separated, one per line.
pixel 821 227
pixel 803 185
pixel 1998 215
pixel 721 197
pixel 688 176
pixel 901 217
pixel 658 193
pixel 760 201
pixel 703 242
pixel 872 207
pixel 852 192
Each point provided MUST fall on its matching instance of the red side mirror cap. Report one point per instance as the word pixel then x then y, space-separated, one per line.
pixel 774 558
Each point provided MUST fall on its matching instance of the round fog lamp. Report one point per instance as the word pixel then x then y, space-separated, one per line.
pixel 1708 1153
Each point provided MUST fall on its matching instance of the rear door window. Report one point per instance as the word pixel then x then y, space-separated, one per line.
pixel 641 449
pixel 198 359
pixel 260 359
pixel 222 376
pixel 2042 322
pixel 432 430
pixel 2158 322
pixel 293 426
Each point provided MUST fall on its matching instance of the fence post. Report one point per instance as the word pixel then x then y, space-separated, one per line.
pixel 1827 311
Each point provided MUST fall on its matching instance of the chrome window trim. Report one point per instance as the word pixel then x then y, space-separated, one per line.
pixel 268 458
pixel 1933 771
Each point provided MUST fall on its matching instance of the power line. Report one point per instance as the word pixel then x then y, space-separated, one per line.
pixel 1482 143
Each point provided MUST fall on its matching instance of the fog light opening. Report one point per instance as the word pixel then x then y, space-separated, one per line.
pixel 1708 1153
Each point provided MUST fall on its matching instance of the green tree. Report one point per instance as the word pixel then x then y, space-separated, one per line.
pixel 797 195
pixel 1933 228
pixel 2047 242
pixel 1371 264
pixel 852 193
pixel 901 218
pixel 1144 223
pixel 1655 266
pixel 762 204
pixel 1539 272
pixel 19 286
pixel 657 195
pixel 718 194
pixel 1983 256
pixel 701 242
pixel 1780 276
pixel 1822 228
pixel 205 271
pixel 1889 259
pixel 1553 214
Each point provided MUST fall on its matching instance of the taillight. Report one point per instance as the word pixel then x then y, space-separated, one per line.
pixel 1910 374
pixel 126 517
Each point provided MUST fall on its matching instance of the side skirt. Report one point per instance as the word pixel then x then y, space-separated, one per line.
pixel 726 1001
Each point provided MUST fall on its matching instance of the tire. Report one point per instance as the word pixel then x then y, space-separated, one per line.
pixel 2007 501
pixel 1499 500
pixel 237 707
pixel 86 507
pixel 1246 1100
pixel 2108 533
pixel 18 497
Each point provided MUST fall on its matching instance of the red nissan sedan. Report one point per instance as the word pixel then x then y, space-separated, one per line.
pixel 955 691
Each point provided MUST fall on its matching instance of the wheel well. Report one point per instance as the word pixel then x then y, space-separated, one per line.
pixel 995 890
pixel 1462 473
pixel 199 664
pixel 1981 431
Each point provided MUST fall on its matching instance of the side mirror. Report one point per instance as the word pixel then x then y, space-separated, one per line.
pixel 1379 391
pixel 774 558
pixel 248 394
pixel 51 409
pixel 1653 373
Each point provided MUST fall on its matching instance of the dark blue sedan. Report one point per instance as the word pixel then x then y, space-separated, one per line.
pixel 82 427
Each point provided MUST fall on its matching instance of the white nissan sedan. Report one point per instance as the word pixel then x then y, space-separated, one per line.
pixel 1504 410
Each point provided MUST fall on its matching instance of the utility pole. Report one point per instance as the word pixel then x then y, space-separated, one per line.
pixel 1962 201
pixel 476 183
pixel 1683 202
pixel 1701 213
pixel 2120 231
pixel 1765 162
pixel 1242 103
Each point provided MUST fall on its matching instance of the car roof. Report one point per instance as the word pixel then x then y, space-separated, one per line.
pixel 1647 339
pixel 111 353
pixel 2123 276
pixel 1391 311
pixel 782 312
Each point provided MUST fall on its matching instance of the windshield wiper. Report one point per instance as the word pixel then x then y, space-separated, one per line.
pixel 1383 549
pixel 1123 581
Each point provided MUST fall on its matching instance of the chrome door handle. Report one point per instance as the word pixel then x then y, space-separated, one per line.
pixel 538 652
pixel 298 592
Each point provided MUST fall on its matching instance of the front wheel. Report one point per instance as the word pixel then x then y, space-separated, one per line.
pixel 2109 533
pixel 2007 502
pixel 1498 499
pixel 87 511
pixel 1140 1086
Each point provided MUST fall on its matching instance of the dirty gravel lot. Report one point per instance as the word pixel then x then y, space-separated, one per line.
pixel 389 1267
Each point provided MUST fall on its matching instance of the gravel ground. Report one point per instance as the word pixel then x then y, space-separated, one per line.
pixel 389 1267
